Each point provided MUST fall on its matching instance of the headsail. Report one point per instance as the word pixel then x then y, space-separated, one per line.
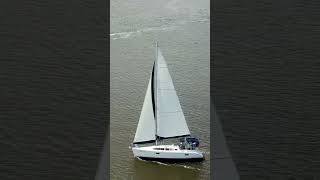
pixel 146 126
pixel 170 118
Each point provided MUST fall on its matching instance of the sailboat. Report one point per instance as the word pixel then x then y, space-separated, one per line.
pixel 162 118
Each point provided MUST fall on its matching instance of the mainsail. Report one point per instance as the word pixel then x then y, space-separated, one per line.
pixel 161 98
pixel 170 118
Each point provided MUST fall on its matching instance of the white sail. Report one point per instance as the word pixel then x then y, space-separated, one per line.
pixel 170 118
pixel 162 117
pixel 146 126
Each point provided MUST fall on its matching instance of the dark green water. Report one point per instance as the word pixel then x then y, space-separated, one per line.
pixel 182 29
pixel 266 86
pixel 53 74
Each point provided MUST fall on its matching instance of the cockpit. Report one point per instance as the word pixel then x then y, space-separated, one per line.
pixel 189 143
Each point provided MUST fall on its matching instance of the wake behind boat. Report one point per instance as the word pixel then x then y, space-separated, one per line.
pixel 162 118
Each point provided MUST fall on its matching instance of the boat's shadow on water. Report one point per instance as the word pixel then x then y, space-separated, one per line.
pixel 146 170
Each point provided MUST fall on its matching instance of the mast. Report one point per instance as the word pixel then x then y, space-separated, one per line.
pixel 155 90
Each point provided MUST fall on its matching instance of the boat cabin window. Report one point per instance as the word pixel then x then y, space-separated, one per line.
pixel 167 149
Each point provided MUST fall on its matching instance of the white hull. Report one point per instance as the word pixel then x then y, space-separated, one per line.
pixel 167 153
